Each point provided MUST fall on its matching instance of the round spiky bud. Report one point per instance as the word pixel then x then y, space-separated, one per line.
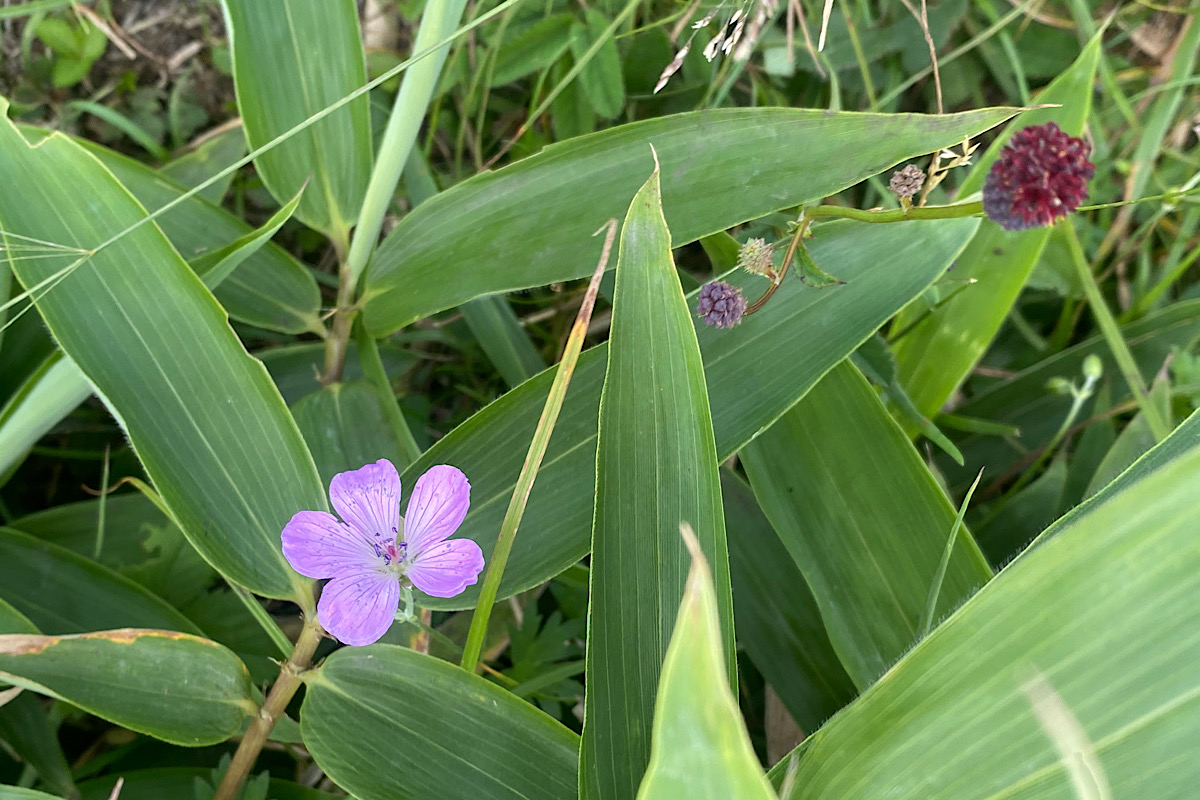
pixel 720 304
pixel 907 182
pixel 755 258
pixel 1040 176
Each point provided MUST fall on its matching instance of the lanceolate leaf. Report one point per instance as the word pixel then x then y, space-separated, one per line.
pixel 345 428
pixel 1108 611
pixel 936 355
pixel 719 168
pixel 203 416
pixel 701 749
pixel 291 59
pixel 388 723
pixel 656 467
pixel 272 290
pixel 180 782
pixel 754 373
pixel 778 620
pixel 218 151
pixel 862 517
pixel 173 686
pixel 61 592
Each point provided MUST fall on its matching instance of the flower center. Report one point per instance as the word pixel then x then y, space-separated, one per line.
pixel 391 551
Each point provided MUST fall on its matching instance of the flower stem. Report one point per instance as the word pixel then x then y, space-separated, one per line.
pixel 278 698
pixel 896 214
pixel 1159 426
pixel 533 461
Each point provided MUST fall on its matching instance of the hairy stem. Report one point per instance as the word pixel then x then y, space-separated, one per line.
pixel 278 698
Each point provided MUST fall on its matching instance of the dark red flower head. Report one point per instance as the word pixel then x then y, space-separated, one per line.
pixel 720 304
pixel 1041 175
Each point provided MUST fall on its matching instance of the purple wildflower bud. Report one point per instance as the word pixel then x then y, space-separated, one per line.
pixel 907 182
pixel 1041 175
pixel 720 304
pixel 373 552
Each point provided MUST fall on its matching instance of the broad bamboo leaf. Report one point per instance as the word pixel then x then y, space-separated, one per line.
pixel 129 516
pixel 202 415
pixel 272 290
pixel 701 750
pixel 345 428
pixel 18 793
pixel 52 392
pixel 778 620
pixel 292 59
pixel 172 686
pixel 218 151
pixel 656 467
pixel 213 268
pixel 862 517
pixel 388 723
pixel 755 372
pixel 719 168
pixel 937 355
pixel 502 338
pixel 61 592
pixel 26 728
pixel 179 783
pixel 1107 612
pixel 13 621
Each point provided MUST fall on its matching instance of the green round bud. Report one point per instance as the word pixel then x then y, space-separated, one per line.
pixel 1059 385
pixel 1093 367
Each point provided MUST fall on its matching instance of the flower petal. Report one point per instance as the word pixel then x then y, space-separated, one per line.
pixel 368 498
pixel 445 569
pixel 359 608
pixel 318 546
pixel 438 505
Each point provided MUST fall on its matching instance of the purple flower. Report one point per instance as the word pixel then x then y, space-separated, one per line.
pixel 1041 175
pixel 374 554
pixel 720 304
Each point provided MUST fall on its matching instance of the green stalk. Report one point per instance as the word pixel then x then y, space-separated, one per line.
pixel 437 24
pixel 533 461
pixel 1159 426
pixel 373 371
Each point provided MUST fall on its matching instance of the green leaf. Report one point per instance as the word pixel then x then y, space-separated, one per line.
pixel 863 519
pixel 291 59
pixel 17 793
pixel 52 392
pixel 1105 611
pixel 755 372
pixel 177 783
pixel 937 355
pixel 214 267
pixel 13 621
pixel 388 723
pixel 272 290
pixel 61 592
pixel 1024 402
pixel 214 152
pixel 1135 441
pixel 202 415
pixel 502 338
pixel 345 428
pixel 58 34
pixel 601 78
pixel 533 49
pixel 1006 531
pixel 571 115
pixel 656 467
pixel 128 519
pixel 25 727
pixel 720 167
pixel 173 686
pixel 701 749
pixel 777 618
